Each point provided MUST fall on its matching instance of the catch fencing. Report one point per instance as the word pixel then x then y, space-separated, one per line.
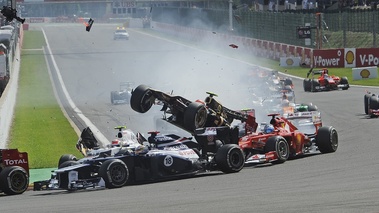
pixel 339 29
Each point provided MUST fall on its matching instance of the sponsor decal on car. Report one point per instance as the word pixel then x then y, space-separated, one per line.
pixel 9 162
pixel 168 161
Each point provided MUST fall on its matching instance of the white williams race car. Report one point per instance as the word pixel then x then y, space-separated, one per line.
pixel 123 95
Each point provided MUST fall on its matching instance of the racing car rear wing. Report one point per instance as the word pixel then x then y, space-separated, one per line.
pixel 12 157
pixel 316 72
pixel 315 116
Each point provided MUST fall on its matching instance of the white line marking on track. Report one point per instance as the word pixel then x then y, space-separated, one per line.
pixel 102 139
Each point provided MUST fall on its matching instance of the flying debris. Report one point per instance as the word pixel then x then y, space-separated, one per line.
pixel 233 46
pixel 89 24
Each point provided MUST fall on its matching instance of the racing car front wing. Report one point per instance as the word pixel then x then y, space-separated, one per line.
pixel 262 158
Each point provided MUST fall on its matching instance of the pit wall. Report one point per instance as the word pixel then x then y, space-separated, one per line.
pixel 331 58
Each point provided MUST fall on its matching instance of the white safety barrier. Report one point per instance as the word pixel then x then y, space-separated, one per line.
pixel 8 100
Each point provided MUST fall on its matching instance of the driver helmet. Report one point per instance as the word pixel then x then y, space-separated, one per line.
pixel 128 138
pixel 141 149
pixel 268 129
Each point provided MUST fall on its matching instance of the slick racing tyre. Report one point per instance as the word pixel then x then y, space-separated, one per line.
pixel 230 158
pixel 344 80
pixel 327 139
pixel 195 116
pixel 307 85
pixel 279 145
pixel 142 99
pixel 114 172
pixel 14 180
pixel 374 102
pixel 66 157
pixel 365 101
pixel 314 85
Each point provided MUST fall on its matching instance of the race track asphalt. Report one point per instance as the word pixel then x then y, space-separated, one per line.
pixel 92 65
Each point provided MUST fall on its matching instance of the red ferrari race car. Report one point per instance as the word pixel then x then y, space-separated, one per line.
pixel 325 82
pixel 289 136
pixel 371 104
pixel 14 171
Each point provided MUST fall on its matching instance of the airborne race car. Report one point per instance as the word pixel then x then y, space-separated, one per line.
pixel 123 95
pixel 14 171
pixel 324 82
pixel 133 159
pixel 191 116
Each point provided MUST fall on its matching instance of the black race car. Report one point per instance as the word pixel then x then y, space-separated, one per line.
pixel 186 114
pixel 137 160
pixel 123 95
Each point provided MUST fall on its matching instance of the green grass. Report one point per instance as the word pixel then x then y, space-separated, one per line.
pixel 33 40
pixel 39 126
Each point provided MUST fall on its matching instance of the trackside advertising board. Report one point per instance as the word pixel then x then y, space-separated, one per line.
pixel 360 73
pixel 328 58
pixel 348 57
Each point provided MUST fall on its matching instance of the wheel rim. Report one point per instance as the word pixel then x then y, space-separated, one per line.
pixel 282 149
pixel 334 139
pixel 235 159
pixel 147 101
pixel 117 173
pixel 201 117
pixel 18 181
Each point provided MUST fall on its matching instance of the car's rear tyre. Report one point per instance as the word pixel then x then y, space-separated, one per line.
pixel 365 102
pixel 327 139
pixel 114 172
pixel 344 80
pixel 142 99
pixel 14 180
pixel 65 158
pixel 280 146
pixel 374 102
pixel 195 116
pixel 314 85
pixel 230 158
pixel 307 85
